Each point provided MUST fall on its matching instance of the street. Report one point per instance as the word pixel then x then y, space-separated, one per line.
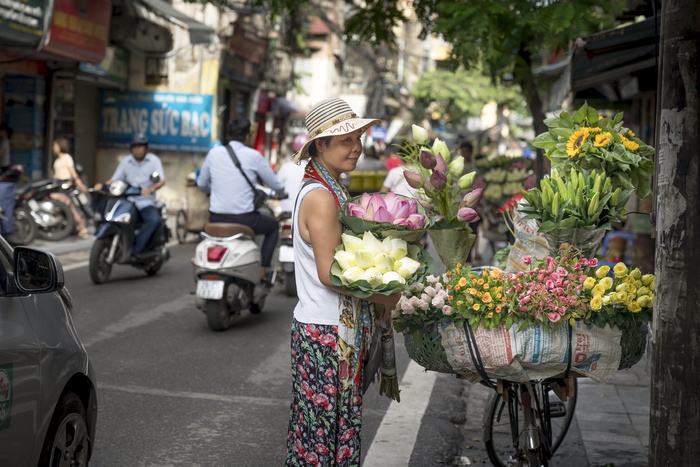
pixel 171 391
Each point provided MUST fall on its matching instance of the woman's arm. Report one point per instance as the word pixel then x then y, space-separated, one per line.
pixel 78 181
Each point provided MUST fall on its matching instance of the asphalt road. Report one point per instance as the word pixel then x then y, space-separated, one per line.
pixel 172 392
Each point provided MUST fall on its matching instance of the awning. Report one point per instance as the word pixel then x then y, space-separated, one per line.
pixel 199 33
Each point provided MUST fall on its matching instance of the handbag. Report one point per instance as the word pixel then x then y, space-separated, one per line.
pixel 259 196
pixel 373 360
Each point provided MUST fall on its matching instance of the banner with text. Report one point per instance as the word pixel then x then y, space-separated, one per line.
pixel 172 122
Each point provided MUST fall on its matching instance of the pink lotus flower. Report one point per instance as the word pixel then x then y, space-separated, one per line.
pixel 467 215
pixel 440 164
pixel 472 198
pixel 390 208
pixel 413 179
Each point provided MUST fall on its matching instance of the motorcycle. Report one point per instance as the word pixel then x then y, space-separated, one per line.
pixel 54 219
pixel 227 272
pixel 115 232
pixel 286 255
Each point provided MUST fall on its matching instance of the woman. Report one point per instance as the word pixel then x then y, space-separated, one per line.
pixel 330 329
pixel 64 169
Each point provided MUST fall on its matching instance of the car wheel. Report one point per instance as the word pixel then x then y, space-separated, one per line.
pixel 100 269
pixel 67 441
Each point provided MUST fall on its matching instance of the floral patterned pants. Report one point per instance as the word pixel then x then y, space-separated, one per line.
pixel 324 419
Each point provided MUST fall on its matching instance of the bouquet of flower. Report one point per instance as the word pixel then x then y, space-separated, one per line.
pixel 503 177
pixel 615 294
pixel 440 180
pixel 586 140
pixel 366 265
pixel 582 200
pixel 386 215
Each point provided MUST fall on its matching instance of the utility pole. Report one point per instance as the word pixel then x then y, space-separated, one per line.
pixel 675 393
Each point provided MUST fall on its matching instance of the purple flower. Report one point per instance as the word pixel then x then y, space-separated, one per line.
pixel 413 179
pixel 472 198
pixel 467 215
pixel 440 165
pixel 427 159
pixel 438 180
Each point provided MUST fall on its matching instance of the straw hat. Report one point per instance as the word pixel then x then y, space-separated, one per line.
pixel 331 117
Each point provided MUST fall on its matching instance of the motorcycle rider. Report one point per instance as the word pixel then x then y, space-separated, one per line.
pixel 290 174
pixel 136 170
pixel 8 181
pixel 231 198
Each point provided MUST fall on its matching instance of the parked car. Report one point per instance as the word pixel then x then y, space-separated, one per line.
pixel 48 403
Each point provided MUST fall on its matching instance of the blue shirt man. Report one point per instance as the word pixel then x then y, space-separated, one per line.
pixel 231 197
pixel 136 169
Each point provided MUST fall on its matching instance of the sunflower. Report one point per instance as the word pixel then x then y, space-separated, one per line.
pixel 602 139
pixel 576 140
pixel 629 144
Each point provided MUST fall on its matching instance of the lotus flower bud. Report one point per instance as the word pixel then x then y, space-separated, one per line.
pixel 398 248
pixel 413 179
pixel 427 159
pixel 438 180
pixel 472 198
pixel 440 148
pixel 456 167
pixel 416 221
pixel 373 276
pixel 351 275
pixel 356 210
pixel 383 262
pixel 351 243
pixel 420 135
pixel 406 267
pixel 467 215
pixel 466 180
pixel 371 243
pixel 345 259
pixel 392 276
pixel 364 259
pixel 441 165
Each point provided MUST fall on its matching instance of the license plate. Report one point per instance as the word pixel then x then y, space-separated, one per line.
pixel 286 254
pixel 210 290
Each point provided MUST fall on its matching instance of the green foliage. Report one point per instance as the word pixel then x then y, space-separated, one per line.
pixel 454 96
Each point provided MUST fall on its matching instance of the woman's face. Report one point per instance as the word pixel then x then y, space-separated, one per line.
pixel 341 153
pixel 56 149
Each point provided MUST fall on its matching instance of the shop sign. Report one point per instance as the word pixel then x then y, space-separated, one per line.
pixel 22 66
pixel 246 44
pixel 22 21
pixel 172 122
pixel 79 30
pixel 114 67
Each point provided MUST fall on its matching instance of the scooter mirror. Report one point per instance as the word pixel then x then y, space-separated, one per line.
pixel 155 177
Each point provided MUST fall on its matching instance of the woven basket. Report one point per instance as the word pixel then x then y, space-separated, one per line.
pixel 431 356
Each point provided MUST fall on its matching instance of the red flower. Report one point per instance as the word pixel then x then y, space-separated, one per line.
pixel 299 447
pixel 312 331
pixel 306 390
pixel 330 389
pixel 329 373
pixel 311 457
pixel 321 449
pixel 320 434
pixel 302 372
pixel 307 360
pixel 343 452
pixel 320 399
pixel 328 339
pixel 348 434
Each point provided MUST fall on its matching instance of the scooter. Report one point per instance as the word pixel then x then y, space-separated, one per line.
pixel 116 229
pixel 54 219
pixel 285 261
pixel 227 273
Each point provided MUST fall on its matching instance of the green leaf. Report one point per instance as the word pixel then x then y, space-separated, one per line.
pixel 547 226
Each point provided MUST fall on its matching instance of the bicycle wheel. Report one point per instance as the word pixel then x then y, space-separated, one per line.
pixel 504 423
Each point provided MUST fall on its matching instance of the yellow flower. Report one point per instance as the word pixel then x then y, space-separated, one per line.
pixel 576 140
pixel 602 272
pixel 490 315
pixel 607 300
pixel 643 291
pixel 602 139
pixel 476 306
pixel 589 283
pixel 459 303
pixel 480 282
pixel 486 286
pixel 486 298
pixel 651 285
pixel 647 278
pixel 627 279
pixel 598 290
pixel 496 273
pixel 630 134
pixel 462 281
pixel 620 270
pixel 472 291
pixel 457 287
pixel 606 282
pixel 596 302
pixel 634 307
pixel 590 129
pixel 616 298
pixel 629 144
pixel 636 273
pixel 498 309
pixel 644 301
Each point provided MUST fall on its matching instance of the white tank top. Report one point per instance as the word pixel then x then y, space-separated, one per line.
pixel 317 304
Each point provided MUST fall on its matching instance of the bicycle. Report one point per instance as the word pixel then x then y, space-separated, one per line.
pixel 527 426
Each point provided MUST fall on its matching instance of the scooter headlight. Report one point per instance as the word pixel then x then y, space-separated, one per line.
pixel 118 187
pixel 123 218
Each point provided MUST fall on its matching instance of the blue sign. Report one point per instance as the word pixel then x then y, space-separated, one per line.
pixel 172 122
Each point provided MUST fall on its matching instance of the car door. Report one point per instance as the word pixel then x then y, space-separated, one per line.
pixel 19 373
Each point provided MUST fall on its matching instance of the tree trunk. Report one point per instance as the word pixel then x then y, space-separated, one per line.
pixel 674 436
pixel 522 74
